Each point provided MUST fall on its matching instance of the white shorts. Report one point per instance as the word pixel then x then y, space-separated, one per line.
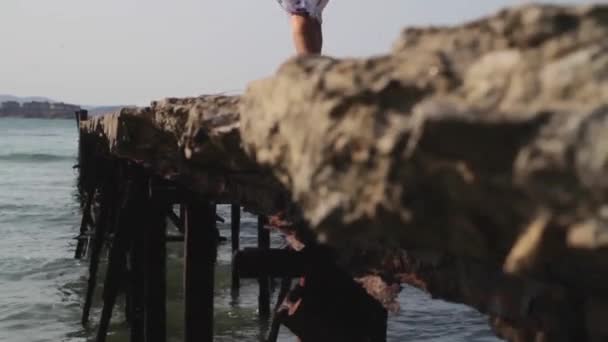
pixel 314 8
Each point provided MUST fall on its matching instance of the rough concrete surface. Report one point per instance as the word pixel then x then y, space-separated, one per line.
pixel 471 161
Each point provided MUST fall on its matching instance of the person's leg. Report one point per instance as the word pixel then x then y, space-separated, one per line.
pixel 307 34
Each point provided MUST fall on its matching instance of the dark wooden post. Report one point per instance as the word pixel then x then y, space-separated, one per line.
pixel 136 276
pixel 118 254
pixel 107 198
pixel 235 225
pixel 199 274
pixel 81 115
pixel 155 296
pixel 84 227
pixel 82 242
pixel 264 281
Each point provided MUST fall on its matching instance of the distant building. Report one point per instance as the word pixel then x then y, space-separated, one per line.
pixel 10 108
pixel 63 110
pixel 37 109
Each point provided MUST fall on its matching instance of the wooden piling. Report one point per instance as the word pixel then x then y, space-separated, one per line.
pixel 117 259
pixel 107 200
pixel 84 228
pixel 182 217
pixel 155 295
pixel 82 115
pixel 136 275
pixel 263 281
pixel 235 227
pixel 199 273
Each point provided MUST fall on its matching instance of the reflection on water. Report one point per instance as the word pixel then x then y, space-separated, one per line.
pixel 42 287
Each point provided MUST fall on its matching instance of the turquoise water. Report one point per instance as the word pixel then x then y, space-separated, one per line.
pixel 42 286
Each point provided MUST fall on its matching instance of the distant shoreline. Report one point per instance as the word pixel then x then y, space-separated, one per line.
pixel 38 109
pixel 37 117
pixel 43 108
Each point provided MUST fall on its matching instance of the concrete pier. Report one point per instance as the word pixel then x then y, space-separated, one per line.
pixel 470 162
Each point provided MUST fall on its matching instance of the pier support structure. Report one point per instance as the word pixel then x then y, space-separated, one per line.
pixel 199 275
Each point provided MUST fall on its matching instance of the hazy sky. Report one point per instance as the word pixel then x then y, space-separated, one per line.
pixel 135 51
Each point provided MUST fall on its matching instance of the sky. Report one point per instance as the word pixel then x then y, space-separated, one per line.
pixel 119 52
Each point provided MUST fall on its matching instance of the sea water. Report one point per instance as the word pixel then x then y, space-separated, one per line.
pixel 42 287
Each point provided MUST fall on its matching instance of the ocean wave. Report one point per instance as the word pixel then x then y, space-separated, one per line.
pixel 35 157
